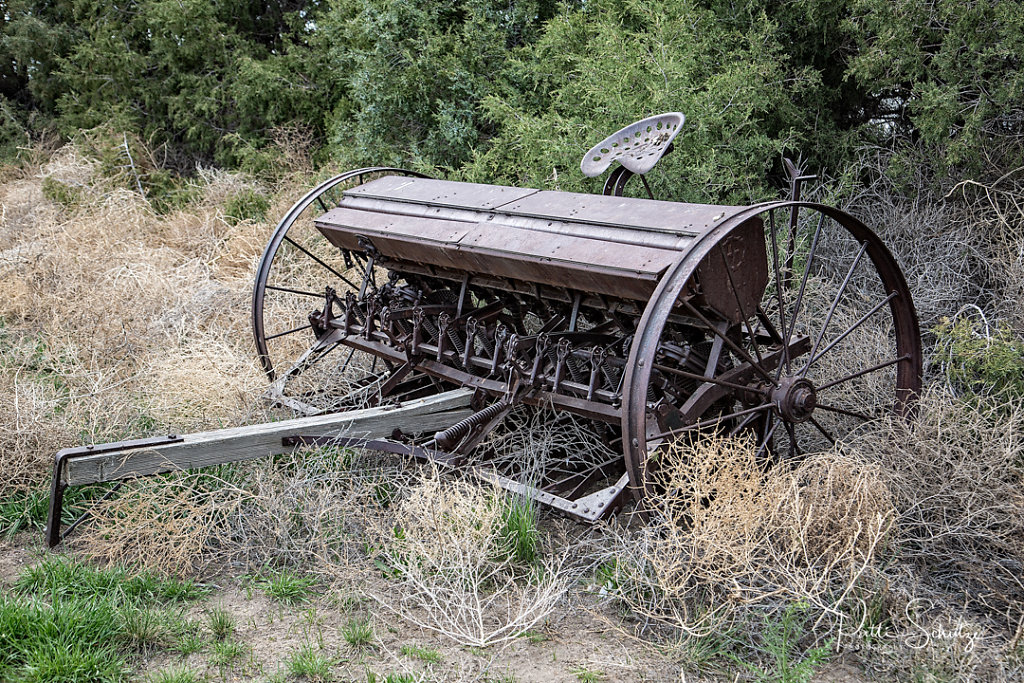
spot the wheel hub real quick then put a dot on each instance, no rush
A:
(795, 399)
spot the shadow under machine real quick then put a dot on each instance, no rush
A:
(556, 343)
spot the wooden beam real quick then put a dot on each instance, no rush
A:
(257, 441)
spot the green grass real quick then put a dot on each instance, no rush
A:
(701, 650)
(176, 675)
(189, 643)
(504, 677)
(781, 642)
(520, 539)
(69, 622)
(60, 578)
(144, 628)
(358, 632)
(422, 653)
(61, 193)
(978, 361)
(177, 590)
(287, 587)
(26, 510)
(22, 511)
(608, 576)
(226, 653)
(311, 663)
(587, 675)
(389, 678)
(80, 641)
(246, 205)
(220, 622)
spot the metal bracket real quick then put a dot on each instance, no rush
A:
(57, 486)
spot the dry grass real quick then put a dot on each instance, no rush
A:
(179, 526)
(957, 478)
(729, 538)
(304, 509)
(120, 321)
(907, 542)
(996, 211)
(445, 544)
(964, 248)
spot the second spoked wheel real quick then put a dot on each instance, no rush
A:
(829, 344)
(309, 371)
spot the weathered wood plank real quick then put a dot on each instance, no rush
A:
(246, 443)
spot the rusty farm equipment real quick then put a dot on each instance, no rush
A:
(434, 319)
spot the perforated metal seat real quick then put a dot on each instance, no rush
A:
(638, 146)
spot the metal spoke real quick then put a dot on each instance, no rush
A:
(861, 373)
(332, 193)
(291, 331)
(774, 334)
(791, 431)
(646, 186)
(318, 260)
(347, 360)
(305, 361)
(294, 291)
(778, 287)
(768, 436)
(323, 353)
(835, 303)
(841, 337)
(739, 305)
(702, 378)
(803, 280)
(747, 420)
(762, 316)
(843, 411)
(708, 423)
(731, 344)
(823, 431)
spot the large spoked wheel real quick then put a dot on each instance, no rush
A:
(310, 370)
(829, 344)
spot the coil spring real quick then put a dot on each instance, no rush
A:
(460, 345)
(430, 327)
(447, 438)
(576, 370)
(448, 296)
(486, 343)
(612, 375)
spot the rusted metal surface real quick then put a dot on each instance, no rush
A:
(659, 320)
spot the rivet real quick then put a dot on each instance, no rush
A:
(636, 443)
(641, 362)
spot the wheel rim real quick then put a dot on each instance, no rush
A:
(312, 373)
(853, 348)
